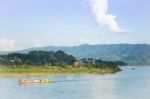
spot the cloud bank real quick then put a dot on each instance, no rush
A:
(36, 43)
(7, 44)
(100, 11)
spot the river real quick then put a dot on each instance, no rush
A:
(127, 84)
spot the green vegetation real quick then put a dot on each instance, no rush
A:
(38, 63)
(53, 70)
(133, 54)
(38, 58)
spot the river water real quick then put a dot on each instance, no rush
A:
(127, 84)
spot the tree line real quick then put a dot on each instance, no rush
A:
(51, 58)
(98, 63)
(58, 58)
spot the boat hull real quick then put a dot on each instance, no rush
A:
(35, 81)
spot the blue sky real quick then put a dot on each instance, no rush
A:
(35, 23)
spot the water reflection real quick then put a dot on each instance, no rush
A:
(128, 84)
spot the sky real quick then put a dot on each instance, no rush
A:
(37, 23)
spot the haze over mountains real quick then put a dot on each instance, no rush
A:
(138, 54)
(130, 53)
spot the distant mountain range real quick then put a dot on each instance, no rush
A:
(138, 54)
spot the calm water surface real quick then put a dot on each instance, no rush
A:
(128, 84)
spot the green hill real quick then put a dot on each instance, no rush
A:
(138, 54)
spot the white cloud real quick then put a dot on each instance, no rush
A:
(7, 44)
(36, 43)
(100, 11)
(84, 41)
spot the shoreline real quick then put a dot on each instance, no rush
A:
(42, 75)
(55, 70)
(12, 75)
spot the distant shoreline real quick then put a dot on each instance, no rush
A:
(36, 71)
(42, 75)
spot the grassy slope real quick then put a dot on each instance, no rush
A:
(51, 70)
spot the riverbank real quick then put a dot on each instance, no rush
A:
(22, 71)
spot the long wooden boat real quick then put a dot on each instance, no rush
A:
(40, 81)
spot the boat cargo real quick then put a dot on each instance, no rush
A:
(39, 81)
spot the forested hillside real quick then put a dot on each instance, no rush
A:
(131, 53)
